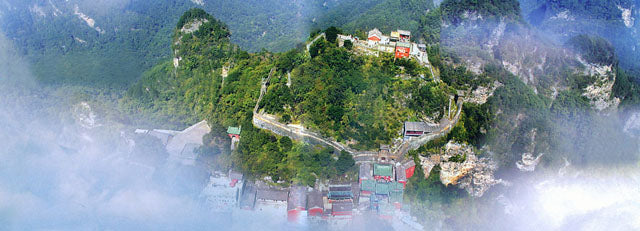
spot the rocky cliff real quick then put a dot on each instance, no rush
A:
(535, 58)
(460, 166)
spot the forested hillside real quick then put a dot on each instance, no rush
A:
(80, 43)
(109, 44)
(593, 9)
(363, 100)
(456, 11)
(523, 93)
(538, 97)
(217, 81)
(545, 111)
(385, 15)
(358, 99)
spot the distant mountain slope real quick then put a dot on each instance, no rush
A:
(386, 15)
(481, 33)
(104, 44)
(615, 20)
(457, 11)
(110, 43)
(541, 84)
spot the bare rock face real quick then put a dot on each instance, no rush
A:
(481, 94)
(599, 92)
(528, 163)
(627, 17)
(193, 26)
(480, 177)
(534, 58)
(473, 174)
(88, 20)
(84, 115)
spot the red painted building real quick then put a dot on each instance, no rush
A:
(409, 171)
(403, 50)
(315, 204)
(405, 36)
(375, 35)
(234, 132)
(296, 203)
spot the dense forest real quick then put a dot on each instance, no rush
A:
(126, 38)
(109, 58)
(197, 89)
(359, 100)
(353, 98)
(594, 49)
(457, 10)
(133, 36)
(388, 15)
(332, 90)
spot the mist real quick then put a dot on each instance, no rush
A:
(59, 170)
(588, 177)
(573, 199)
(85, 185)
(62, 170)
(65, 166)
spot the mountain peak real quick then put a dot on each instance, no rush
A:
(193, 14)
(201, 24)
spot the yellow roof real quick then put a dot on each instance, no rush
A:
(395, 34)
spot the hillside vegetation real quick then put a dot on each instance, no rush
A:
(197, 89)
(456, 11)
(385, 15)
(361, 99)
(358, 100)
(117, 41)
(538, 107)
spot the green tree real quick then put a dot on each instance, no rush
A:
(288, 60)
(594, 49)
(285, 144)
(431, 188)
(348, 44)
(345, 162)
(332, 34)
(317, 48)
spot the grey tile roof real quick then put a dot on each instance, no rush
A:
(419, 126)
(235, 175)
(401, 175)
(248, 198)
(365, 171)
(314, 200)
(274, 195)
(297, 197)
